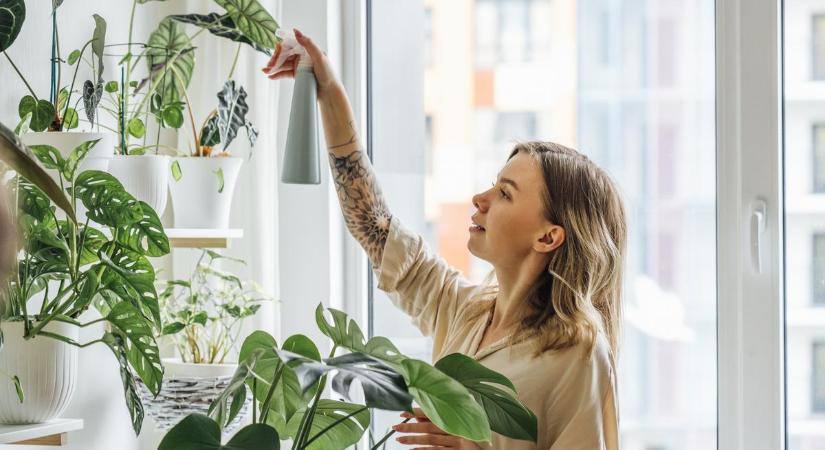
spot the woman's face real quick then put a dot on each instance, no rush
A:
(509, 223)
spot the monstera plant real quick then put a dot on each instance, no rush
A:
(458, 394)
(64, 268)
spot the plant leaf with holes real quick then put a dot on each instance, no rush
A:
(141, 349)
(170, 50)
(220, 25)
(12, 16)
(343, 331)
(106, 200)
(117, 345)
(132, 278)
(146, 235)
(253, 21)
(75, 157)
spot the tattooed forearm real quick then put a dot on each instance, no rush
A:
(352, 139)
(364, 207)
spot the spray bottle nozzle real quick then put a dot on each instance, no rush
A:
(288, 48)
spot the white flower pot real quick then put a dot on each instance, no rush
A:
(189, 388)
(66, 141)
(47, 369)
(197, 199)
(146, 177)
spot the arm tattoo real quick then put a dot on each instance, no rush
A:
(364, 207)
(352, 138)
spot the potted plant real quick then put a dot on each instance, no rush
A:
(458, 394)
(203, 179)
(54, 120)
(202, 317)
(63, 269)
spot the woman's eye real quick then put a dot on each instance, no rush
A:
(504, 194)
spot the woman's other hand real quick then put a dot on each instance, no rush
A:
(283, 64)
(426, 435)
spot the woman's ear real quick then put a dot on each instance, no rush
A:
(552, 238)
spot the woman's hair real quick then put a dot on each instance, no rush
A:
(580, 292)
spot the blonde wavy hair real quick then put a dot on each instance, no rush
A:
(579, 295)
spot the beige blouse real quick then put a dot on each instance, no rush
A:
(573, 396)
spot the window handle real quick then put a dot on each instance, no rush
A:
(758, 223)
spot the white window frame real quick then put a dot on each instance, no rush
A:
(749, 113)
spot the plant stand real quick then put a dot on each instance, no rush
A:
(53, 433)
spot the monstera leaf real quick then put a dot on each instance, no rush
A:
(507, 416)
(232, 109)
(141, 349)
(220, 25)
(20, 159)
(341, 423)
(170, 57)
(146, 235)
(130, 276)
(133, 403)
(199, 432)
(108, 203)
(12, 15)
(253, 20)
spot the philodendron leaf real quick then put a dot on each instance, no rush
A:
(133, 403)
(492, 390)
(91, 98)
(99, 42)
(42, 112)
(108, 203)
(446, 402)
(220, 25)
(20, 159)
(75, 157)
(146, 235)
(232, 109)
(141, 349)
(343, 331)
(169, 49)
(132, 278)
(350, 422)
(253, 21)
(12, 15)
(199, 432)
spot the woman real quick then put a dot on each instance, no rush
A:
(553, 228)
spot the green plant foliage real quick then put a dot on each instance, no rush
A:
(42, 112)
(220, 25)
(253, 21)
(12, 16)
(199, 432)
(170, 50)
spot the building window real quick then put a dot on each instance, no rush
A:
(515, 126)
(428, 37)
(502, 31)
(818, 378)
(818, 47)
(819, 157)
(818, 269)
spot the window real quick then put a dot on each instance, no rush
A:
(818, 272)
(587, 92)
(818, 47)
(819, 157)
(428, 36)
(818, 378)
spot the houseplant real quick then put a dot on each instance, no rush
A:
(51, 121)
(64, 268)
(458, 394)
(203, 179)
(202, 316)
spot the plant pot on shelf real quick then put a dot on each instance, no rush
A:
(189, 388)
(65, 141)
(146, 177)
(201, 198)
(47, 369)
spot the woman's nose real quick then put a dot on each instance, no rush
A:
(480, 202)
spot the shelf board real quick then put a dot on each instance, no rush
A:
(52, 432)
(202, 237)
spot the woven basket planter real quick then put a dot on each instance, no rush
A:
(189, 388)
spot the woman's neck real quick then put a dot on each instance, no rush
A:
(514, 282)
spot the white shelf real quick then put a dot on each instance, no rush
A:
(52, 432)
(202, 237)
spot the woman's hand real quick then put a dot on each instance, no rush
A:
(428, 435)
(278, 67)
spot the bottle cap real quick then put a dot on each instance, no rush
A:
(290, 47)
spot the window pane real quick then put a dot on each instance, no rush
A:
(630, 83)
(804, 72)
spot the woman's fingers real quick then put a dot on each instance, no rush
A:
(320, 63)
(429, 439)
(417, 413)
(419, 427)
(287, 69)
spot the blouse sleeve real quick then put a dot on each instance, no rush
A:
(420, 282)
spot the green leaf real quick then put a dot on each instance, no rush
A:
(111, 86)
(169, 49)
(24, 125)
(210, 135)
(62, 99)
(199, 432)
(42, 112)
(18, 389)
(343, 331)
(76, 157)
(172, 328)
(136, 127)
(49, 156)
(141, 349)
(172, 116)
(99, 42)
(507, 416)
(220, 25)
(145, 236)
(219, 174)
(74, 56)
(346, 433)
(131, 277)
(232, 110)
(12, 16)
(446, 402)
(133, 403)
(92, 93)
(253, 20)
(71, 120)
(225, 408)
(106, 200)
(177, 174)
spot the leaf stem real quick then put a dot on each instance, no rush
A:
(14, 66)
(234, 62)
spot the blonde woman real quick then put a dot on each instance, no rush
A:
(553, 228)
